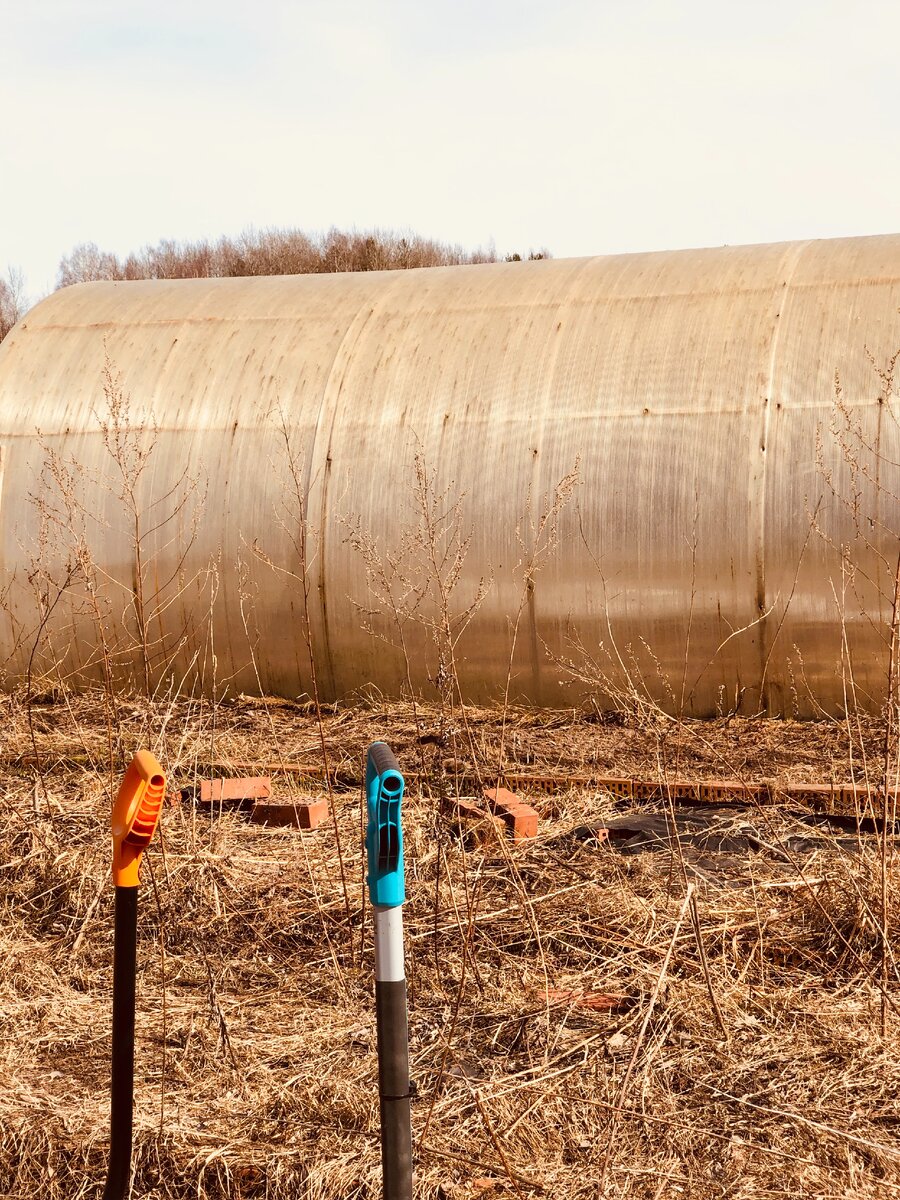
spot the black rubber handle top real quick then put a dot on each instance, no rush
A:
(381, 756)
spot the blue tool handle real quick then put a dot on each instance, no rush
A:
(384, 831)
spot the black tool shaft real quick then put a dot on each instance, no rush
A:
(393, 1088)
(122, 1091)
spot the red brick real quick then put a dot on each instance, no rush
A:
(847, 799)
(524, 823)
(540, 783)
(621, 788)
(472, 818)
(301, 815)
(859, 796)
(518, 816)
(646, 789)
(467, 810)
(692, 791)
(231, 791)
(727, 789)
(804, 790)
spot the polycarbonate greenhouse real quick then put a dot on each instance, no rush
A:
(731, 538)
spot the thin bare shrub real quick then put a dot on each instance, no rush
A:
(863, 534)
(160, 525)
(537, 537)
(291, 514)
(418, 597)
(84, 621)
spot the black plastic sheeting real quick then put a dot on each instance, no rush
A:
(720, 839)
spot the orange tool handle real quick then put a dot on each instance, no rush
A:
(135, 816)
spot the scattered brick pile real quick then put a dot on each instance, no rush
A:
(254, 796)
(500, 810)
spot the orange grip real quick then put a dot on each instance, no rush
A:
(135, 816)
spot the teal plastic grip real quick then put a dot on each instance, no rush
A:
(384, 831)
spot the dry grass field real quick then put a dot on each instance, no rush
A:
(583, 1022)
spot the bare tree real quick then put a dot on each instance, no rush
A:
(88, 263)
(13, 300)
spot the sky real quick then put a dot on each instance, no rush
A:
(586, 126)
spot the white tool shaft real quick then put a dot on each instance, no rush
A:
(389, 966)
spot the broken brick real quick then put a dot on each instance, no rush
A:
(235, 791)
(472, 819)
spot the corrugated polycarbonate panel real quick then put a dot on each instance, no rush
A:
(721, 546)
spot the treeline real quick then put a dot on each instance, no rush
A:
(272, 252)
(255, 252)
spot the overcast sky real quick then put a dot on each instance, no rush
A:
(588, 126)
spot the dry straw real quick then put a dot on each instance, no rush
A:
(744, 1058)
